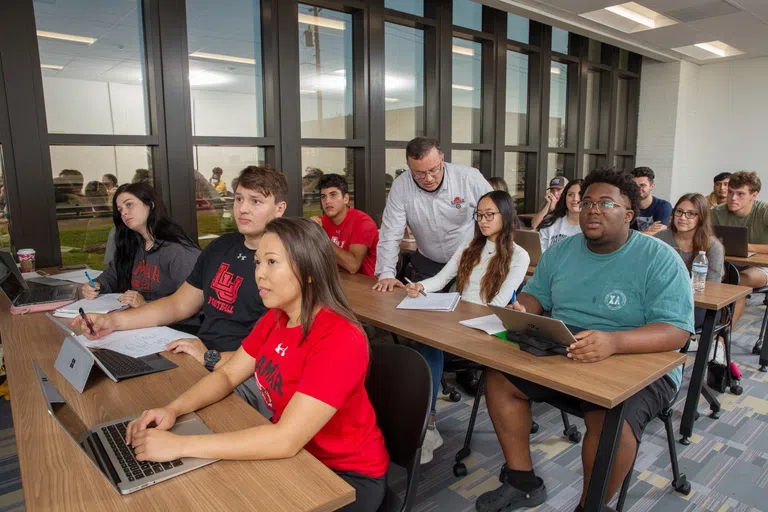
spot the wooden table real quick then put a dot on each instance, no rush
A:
(608, 383)
(56, 475)
(715, 297)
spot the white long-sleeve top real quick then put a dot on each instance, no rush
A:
(440, 220)
(557, 232)
(517, 269)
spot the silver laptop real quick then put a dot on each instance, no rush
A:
(21, 293)
(105, 445)
(735, 240)
(75, 361)
(534, 325)
(531, 242)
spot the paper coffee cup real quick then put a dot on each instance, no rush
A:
(26, 259)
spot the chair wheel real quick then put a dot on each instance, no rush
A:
(757, 348)
(736, 389)
(714, 415)
(459, 470)
(763, 369)
(575, 437)
(455, 396)
(534, 427)
(682, 485)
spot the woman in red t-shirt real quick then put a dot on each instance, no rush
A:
(310, 358)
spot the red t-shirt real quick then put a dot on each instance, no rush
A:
(331, 366)
(357, 228)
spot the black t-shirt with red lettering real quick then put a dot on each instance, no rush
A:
(232, 305)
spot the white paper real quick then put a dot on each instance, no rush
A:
(137, 342)
(77, 276)
(102, 304)
(30, 275)
(432, 302)
(490, 324)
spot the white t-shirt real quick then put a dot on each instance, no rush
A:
(557, 232)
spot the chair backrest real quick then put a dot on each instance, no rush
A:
(399, 386)
(731, 275)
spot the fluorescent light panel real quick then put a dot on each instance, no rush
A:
(629, 17)
(462, 50)
(463, 87)
(391, 100)
(51, 66)
(66, 37)
(226, 58)
(632, 15)
(711, 48)
(308, 91)
(556, 70)
(321, 22)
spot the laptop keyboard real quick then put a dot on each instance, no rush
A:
(119, 364)
(133, 468)
(37, 295)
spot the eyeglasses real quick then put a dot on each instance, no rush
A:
(685, 213)
(488, 216)
(602, 206)
(420, 175)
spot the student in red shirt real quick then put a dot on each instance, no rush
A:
(310, 358)
(353, 232)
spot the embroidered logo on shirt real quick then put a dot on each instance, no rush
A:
(226, 286)
(457, 202)
(280, 349)
(241, 256)
(615, 300)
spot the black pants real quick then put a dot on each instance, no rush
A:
(369, 491)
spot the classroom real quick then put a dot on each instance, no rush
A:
(383, 255)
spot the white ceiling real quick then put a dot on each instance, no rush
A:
(742, 24)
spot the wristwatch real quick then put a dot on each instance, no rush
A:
(211, 358)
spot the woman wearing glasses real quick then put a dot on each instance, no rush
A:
(488, 268)
(564, 219)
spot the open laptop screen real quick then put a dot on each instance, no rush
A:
(64, 414)
(9, 282)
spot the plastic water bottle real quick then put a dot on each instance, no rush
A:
(699, 272)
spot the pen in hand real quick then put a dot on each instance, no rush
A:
(86, 320)
(90, 281)
(414, 284)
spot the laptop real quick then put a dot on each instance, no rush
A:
(735, 240)
(75, 361)
(30, 297)
(535, 326)
(105, 445)
(530, 241)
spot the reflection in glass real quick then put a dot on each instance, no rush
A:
(624, 163)
(591, 163)
(622, 112)
(558, 98)
(559, 40)
(555, 165)
(623, 59)
(225, 67)
(595, 51)
(514, 175)
(468, 14)
(5, 233)
(319, 161)
(466, 157)
(415, 7)
(404, 82)
(325, 72)
(516, 121)
(518, 28)
(83, 202)
(93, 66)
(214, 192)
(467, 89)
(395, 165)
(592, 128)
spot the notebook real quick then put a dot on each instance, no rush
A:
(432, 302)
(102, 304)
(490, 324)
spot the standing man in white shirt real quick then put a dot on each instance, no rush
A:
(437, 200)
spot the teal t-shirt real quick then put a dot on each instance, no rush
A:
(644, 282)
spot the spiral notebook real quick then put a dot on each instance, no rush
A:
(432, 302)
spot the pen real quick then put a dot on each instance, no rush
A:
(90, 281)
(514, 297)
(87, 322)
(414, 284)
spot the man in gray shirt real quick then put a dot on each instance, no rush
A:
(438, 201)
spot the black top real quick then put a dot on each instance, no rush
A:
(232, 306)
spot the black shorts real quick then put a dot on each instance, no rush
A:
(369, 491)
(639, 410)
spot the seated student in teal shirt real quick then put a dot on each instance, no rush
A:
(632, 294)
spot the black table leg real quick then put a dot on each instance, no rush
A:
(697, 379)
(764, 352)
(606, 451)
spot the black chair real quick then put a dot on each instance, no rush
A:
(399, 386)
(760, 339)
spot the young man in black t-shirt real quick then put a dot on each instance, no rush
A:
(222, 285)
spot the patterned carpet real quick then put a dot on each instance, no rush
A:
(727, 463)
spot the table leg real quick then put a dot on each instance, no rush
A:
(764, 353)
(606, 451)
(697, 379)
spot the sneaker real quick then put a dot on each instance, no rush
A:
(432, 441)
(507, 498)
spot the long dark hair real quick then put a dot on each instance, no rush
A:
(160, 227)
(314, 265)
(498, 267)
(561, 208)
(704, 229)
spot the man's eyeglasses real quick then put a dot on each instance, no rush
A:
(420, 175)
(488, 216)
(685, 213)
(602, 206)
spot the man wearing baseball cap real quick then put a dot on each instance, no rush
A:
(556, 186)
(719, 193)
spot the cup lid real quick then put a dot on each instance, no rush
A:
(25, 251)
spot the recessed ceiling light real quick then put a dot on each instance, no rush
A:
(66, 37)
(391, 100)
(463, 87)
(629, 17)
(632, 15)
(711, 48)
(319, 21)
(462, 50)
(51, 66)
(226, 58)
(556, 70)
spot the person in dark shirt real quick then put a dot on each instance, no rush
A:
(655, 213)
(222, 284)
